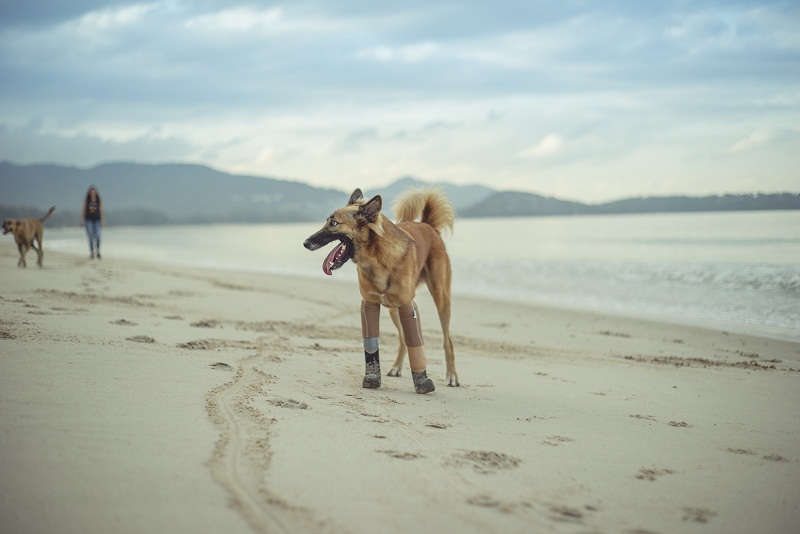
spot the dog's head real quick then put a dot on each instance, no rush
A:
(8, 226)
(349, 225)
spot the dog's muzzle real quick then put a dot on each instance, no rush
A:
(311, 245)
(341, 253)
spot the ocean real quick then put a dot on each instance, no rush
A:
(734, 271)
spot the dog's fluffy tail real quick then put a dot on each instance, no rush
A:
(429, 205)
(49, 213)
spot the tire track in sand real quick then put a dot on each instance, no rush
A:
(242, 455)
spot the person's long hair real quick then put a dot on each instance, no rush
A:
(96, 192)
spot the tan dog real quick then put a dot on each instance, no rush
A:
(26, 231)
(392, 260)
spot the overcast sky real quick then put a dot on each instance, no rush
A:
(582, 100)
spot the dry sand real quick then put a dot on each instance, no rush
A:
(141, 398)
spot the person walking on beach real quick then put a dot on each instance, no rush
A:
(92, 218)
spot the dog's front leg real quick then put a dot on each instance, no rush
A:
(370, 330)
(22, 251)
(397, 366)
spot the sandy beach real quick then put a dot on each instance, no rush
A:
(143, 398)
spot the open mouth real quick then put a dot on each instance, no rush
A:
(337, 257)
(6, 230)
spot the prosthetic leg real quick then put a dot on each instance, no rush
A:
(412, 334)
(370, 329)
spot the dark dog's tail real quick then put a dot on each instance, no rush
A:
(429, 205)
(49, 213)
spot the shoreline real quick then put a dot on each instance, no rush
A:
(764, 311)
(144, 397)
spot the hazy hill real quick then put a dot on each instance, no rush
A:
(516, 204)
(137, 194)
(461, 196)
(760, 201)
(168, 193)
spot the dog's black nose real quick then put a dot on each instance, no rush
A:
(307, 244)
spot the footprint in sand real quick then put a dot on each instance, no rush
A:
(205, 324)
(749, 452)
(679, 424)
(486, 500)
(555, 441)
(567, 514)
(652, 473)
(141, 339)
(438, 425)
(614, 334)
(698, 515)
(486, 462)
(403, 455)
(288, 403)
(774, 457)
(123, 322)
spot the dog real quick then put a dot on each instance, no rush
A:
(392, 261)
(26, 232)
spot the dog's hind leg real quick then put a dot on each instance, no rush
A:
(39, 251)
(438, 283)
(412, 335)
(397, 366)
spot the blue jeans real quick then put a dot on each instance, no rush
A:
(93, 231)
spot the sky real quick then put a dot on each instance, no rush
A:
(577, 99)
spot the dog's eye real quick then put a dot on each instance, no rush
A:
(334, 223)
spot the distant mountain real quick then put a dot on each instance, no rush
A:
(461, 196)
(760, 201)
(140, 194)
(175, 193)
(517, 204)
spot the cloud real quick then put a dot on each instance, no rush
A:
(115, 18)
(26, 144)
(354, 141)
(327, 90)
(411, 53)
(548, 146)
(756, 139)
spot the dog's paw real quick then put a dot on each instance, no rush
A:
(452, 381)
(393, 372)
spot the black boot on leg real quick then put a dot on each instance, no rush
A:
(372, 374)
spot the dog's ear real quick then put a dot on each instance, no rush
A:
(371, 208)
(356, 196)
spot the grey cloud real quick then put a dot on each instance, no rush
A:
(29, 146)
(355, 140)
(608, 77)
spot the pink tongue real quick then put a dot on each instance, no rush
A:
(328, 263)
